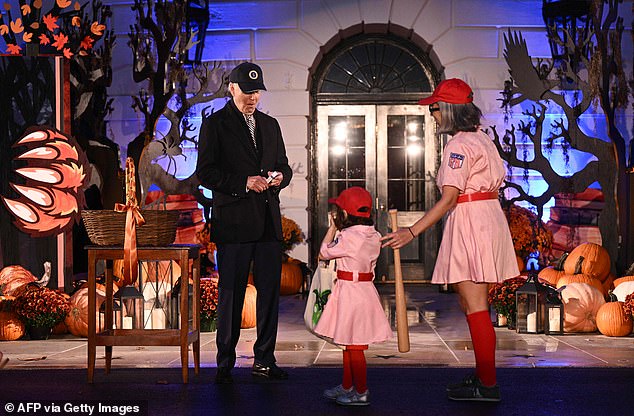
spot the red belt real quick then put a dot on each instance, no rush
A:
(363, 277)
(477, 196)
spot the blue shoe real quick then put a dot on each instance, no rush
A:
(353, 398)
(335, 392)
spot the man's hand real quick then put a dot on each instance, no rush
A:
(277, 180)
(257, 184)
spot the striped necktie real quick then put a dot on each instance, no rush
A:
(251, 124)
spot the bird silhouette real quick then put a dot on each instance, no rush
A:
(527, 78)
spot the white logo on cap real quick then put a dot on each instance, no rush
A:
(253, 74)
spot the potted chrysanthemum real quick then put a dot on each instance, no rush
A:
(41, 308)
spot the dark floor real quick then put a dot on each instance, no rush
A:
(394, 391)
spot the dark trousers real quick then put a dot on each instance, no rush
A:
(234, 260)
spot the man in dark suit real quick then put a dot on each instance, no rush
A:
(242, 159)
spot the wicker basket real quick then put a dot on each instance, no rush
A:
(107, 228)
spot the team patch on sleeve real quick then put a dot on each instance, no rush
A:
(455, 160)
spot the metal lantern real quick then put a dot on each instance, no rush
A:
(175, 304)
(116, 313)
(131, 301)
(568, 22)
(530, 303)
(554, 324)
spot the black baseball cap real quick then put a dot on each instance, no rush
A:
(248, 76)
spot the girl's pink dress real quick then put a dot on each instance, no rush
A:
(476, 243)
(353, 314)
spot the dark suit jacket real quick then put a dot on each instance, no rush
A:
(226, 157)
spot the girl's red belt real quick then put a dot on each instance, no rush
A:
(363, 277)
(477, 196)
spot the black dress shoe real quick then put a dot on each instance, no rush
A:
(271, 371)
(223, 376)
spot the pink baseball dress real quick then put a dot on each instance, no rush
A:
(353, 314)
(476, 243)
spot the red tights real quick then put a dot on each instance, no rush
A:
(483, 338)
(354, 368)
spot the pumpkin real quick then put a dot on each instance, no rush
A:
(13, 278)
(579, 277)
(552, 274)
(622, 290)
(292, 277)
(628, 276)
(581, 304)
(622, 280)
(612, 320)
(60, 329)
(11, 326)
(608, 285)
(595, 261)
(248, 308)
(77, 318)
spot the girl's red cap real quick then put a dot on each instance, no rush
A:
(355, 201)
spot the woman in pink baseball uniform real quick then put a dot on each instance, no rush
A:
(353, 316)
(476, 248)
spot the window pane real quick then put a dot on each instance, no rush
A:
(396, 163)
(356, 163)
(396, 195)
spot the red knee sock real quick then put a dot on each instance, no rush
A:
(347, 370)
(483, 338)
(359, 369)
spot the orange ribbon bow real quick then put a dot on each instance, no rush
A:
(133, 219)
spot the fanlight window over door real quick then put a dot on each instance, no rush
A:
(374, 67)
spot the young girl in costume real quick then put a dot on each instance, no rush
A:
(353, 316)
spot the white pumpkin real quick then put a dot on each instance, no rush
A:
(581, 304)
(622, 290)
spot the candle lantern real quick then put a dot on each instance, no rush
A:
(554, 313)
(530, 305)
(116, 312)
(175, 304)
(131, 301)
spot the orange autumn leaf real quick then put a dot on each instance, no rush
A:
(83, 53)
(50, 22)
(63, 3)
(76, 21)
(67, 53)
(60, 41)
(44, 40)
(77, 6)
(4, 29)
(37, 4)
(16, 27)
(26, 9)
(87, 42)
(97, 28)
(35, 25)
(13, 49)
(27, 37)
(7, 6)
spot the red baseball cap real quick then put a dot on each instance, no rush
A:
(355, 201)
(452, 91)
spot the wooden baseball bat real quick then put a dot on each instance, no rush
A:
(402, 330)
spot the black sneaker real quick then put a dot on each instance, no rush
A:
(466, 382)
(475, 392)
(271, 371)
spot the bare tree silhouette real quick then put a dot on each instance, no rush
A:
(603, 82)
